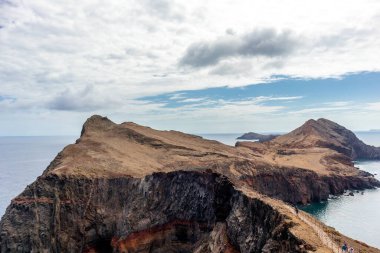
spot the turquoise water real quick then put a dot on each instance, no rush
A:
(356, 216)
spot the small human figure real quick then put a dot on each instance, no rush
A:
(344, 247)
(351, 250)
(295, 207)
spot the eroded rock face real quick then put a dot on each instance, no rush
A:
(129, 188)
(299, 186)
(164, 212)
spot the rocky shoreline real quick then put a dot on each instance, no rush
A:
(129, 188)
(299, 186)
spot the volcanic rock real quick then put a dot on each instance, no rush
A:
(129, 188)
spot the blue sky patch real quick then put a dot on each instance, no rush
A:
(295, 93)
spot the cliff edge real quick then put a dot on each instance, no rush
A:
(130, 188)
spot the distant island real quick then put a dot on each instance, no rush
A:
(258, 137)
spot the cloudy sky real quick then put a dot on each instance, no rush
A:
(198, 66)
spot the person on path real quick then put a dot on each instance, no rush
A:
(344, 247)
(351, 250)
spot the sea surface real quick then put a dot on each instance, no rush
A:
(229, 139)
(356, 216)
(23, 159)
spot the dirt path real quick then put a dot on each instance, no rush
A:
(318, 229)
(309, 222)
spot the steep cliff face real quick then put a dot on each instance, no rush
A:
(164, 212)
(300, 186)
(311, 162)
(129, 188)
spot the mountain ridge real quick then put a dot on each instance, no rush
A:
(331, 135)
(130, 188)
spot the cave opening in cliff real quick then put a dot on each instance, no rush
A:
(102, 246)
(223, 194)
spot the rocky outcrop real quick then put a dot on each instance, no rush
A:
(327, 134)
(258, 137)
(129, 188)
(310, 163)
(300, 186)
(164, 212)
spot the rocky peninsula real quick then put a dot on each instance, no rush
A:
(130, 188)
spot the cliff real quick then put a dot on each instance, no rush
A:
(163, 212)
(311, 162)
(129, 188)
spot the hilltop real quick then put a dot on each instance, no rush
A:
(328, 134)
(130, 188)
(320, 145)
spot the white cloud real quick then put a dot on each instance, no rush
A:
(338, 103)
(203, 108)
(327, 107)
(319, 110)
(53, 51)
(136, 45)
(177, 96)
(192, 100)
(87, 99)
(373, 106)
(264, 98)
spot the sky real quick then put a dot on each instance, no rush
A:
(201, 66)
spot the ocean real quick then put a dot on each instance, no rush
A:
(23, 159)
(356, 216)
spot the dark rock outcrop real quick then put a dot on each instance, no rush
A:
(300, 186)
(164, 212)
(129, 188)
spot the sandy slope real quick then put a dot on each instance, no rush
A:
(107, 149)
